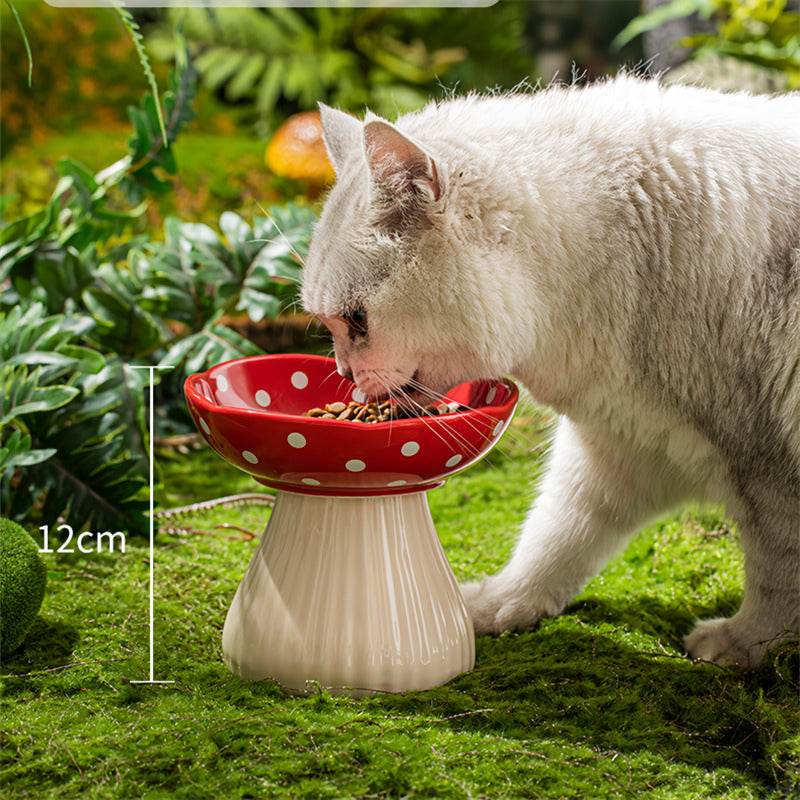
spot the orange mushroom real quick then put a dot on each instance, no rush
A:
(297, 150)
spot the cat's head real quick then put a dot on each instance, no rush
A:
(398, 265)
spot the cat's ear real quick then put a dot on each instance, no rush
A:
(341, 133)
(398, 163)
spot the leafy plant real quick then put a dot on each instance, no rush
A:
(72, 434)
(49, 254)
(390, 59)
(83, 300)
(197, 277)
(764, 32)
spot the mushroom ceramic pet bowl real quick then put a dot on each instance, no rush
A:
(349, 587)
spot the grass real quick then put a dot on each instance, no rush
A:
(598, 703)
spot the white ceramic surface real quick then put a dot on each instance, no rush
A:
(354, 594)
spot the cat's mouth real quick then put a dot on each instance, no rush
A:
(417, 393)
(408, 395)
(412, 387)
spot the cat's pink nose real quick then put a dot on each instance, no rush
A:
(345, 372)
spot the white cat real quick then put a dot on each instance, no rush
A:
(631, 254)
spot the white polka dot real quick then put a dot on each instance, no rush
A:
(355, 465)
(248, 456)
(263, 398)
(498, 428)
(397, 483)
(310, 481)
(358, 395)
(453, 460)
(204, 426)
(296, 440)
(299, 380)
(410, 449)
(222, 383)
(490, 395)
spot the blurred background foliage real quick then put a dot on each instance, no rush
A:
(92, 87)
(257, 67)
(756, 41)
(286, 59)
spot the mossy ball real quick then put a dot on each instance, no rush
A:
(23, 576)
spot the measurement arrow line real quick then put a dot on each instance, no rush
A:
(151, 436)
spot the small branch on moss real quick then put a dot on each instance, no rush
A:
(466, 714)
(232, 501)
(253, 498)
(59, 668)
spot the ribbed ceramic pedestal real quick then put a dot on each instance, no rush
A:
(352, 593)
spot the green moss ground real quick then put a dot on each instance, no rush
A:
(598, 703)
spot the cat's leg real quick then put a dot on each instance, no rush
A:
(593, 496)
(770, 609)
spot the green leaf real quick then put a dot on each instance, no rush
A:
(245, 81)
(219, 65)
(293, 22)
(50, 358)
(47, 399)
(24, 40)
(269, 88)
(136, 35)
(16, 452)
(87, 360)
(660, 15)
(240, 239)
(259, 305)
(212, 345)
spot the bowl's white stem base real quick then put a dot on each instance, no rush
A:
(354, 594)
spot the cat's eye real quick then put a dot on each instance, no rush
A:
(356, 321)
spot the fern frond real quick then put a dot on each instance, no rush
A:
(135, 32)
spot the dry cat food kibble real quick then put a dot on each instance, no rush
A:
(379, 412)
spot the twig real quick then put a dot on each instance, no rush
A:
(63, 666)
(250, 498)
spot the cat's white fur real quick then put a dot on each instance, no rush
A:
(630, 254)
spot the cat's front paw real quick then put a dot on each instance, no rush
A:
(727, 642)
(496, 607)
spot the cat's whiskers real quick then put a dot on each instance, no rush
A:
(396, 389)
(440, 427)
(476, 427)
(281, 234)
(443, 398)
(341, 384)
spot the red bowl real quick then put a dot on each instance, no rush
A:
(250, 411)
